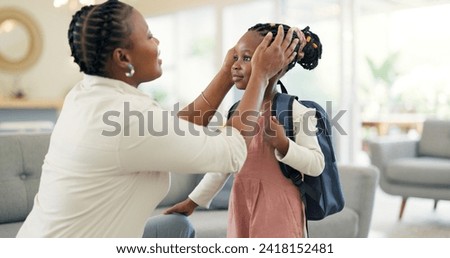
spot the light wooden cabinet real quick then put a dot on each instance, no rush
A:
(22, 115)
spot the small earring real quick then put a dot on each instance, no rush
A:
(131, 72)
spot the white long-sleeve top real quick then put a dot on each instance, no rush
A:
(304, 155)
(107, 165)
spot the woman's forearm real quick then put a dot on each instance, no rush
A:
(246, 114)
(205, 105)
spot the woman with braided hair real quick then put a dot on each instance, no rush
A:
(263, 202)
(104, 174)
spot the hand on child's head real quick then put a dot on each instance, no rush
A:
(229, 59)
(302, 41)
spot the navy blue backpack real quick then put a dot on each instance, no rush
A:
(322, 195)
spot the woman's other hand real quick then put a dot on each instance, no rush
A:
(302, 41)
(228, 61)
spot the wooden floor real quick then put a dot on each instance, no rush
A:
(419, 218)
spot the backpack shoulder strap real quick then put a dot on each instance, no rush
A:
(282, 110)
(232, 109)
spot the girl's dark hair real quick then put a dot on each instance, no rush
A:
(95, 31)
(312, 49)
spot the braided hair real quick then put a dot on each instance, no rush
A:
(312, 49)
(95, 31)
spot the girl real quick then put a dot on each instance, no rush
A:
(263, 202)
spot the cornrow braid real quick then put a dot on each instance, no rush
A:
(312, 49)
(95, 31)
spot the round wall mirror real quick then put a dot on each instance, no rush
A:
(20, 42)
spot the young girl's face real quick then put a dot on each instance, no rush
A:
(242, 67)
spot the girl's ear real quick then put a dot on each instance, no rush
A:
(120, 57)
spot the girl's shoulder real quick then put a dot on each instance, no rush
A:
(300, 110)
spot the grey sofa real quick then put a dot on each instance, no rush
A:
(415, 168)
(21, 158)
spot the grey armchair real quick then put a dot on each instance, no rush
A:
(415, 168)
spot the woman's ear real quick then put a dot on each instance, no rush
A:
(120, 57)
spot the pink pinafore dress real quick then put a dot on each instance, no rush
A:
(263, 202)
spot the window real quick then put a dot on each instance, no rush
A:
(379, 57)
(402, 57)
(187, 41)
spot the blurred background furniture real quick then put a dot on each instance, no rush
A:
(415, 168)
(21, 159)
(23, 127)
(22, 156)
(358, 184)
(28, 116)
(402, 122)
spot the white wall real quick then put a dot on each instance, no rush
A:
(160, 7)
(54, 73)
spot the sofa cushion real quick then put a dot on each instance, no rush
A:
(207, 223)
(9, 230)
(34, 148)
(210, 223)
(435, 140)
(181, 185)
(342, 224)
(21, 159)
(422, 170)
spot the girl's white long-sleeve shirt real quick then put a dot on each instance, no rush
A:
(304, 155)
(107, 165)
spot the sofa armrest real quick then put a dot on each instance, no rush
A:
(359, 184)
(381, 152)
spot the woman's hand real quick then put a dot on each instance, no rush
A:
(275, 135)
(185, 207)
(302, 41)
(228, 61)
(201, 110)
(270, 58)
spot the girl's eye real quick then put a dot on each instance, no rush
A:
(247, 58)
(235, 58)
